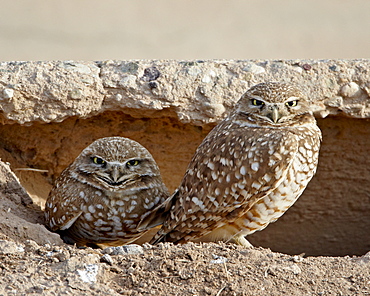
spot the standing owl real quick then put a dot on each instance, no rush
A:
(100, 198)
(247, 172)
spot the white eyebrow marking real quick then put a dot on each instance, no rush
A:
(292, 99)
(257, 97)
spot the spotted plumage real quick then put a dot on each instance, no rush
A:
(247, 172)
(100, 198)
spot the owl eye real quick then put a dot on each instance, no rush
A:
(98, 160)
(133, 162)
(292, 103)
(256, 102)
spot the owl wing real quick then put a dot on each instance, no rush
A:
(62, 207)
(231, 170)
(158, 215)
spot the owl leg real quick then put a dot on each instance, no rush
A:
(242, 241)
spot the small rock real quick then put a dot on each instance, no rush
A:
(9, 247)
(107, 259)
(275, 269)
(118, 97)
(75, 94)
(297, 259)
(128, 81)
(88, 275)
(306, 67)
(214, 109)
(8, 93)
(193, 71)
(334, 102)
(130, 67)
(333, 68)
(297, 69)
(80, 68)
(293, 268)
(365, 259)
(62, 255)
(206, 79)
(153, 84)
(253, 68)
(31, 246)
(150, 74)
(323, 113)
(350, 90)
(124, 250)
(218, 259)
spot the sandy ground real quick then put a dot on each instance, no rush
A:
(191, 269)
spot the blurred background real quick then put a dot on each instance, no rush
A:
(192, 29)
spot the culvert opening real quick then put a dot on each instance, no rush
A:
(331, 218)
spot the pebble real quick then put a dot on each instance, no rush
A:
(128, 81)
(218, 259)
(253, 68)
(80, 68)
(334, 102)
(206, 79)
(193, 71)
(9, 247)
(124, 250)
(214, 109)
(274, 269)
(107, 259)
(350, 89)
(130, 67)
(8, 93)
(31, 245)
(297, 259)
(88, 275)
(365, 259)
(118, 97)
(150, 74)
(75, 93)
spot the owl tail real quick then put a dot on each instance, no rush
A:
(158, 215)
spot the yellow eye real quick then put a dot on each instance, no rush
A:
(133, 162)
(98, 160)
(256, 102)
(292, 103)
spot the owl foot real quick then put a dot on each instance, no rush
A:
(242, 241)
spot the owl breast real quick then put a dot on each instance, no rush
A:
(113, 217)
(274, 205)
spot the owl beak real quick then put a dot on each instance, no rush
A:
(274, 115)
(116, 174)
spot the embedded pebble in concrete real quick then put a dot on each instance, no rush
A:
(8, 93)
(334, 102)
(350, 90)
(253, 68)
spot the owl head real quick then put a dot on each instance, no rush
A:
(115, 163)
(273, 103)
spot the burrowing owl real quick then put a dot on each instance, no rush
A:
(100, 198)
(247, 172)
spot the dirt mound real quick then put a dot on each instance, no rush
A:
(191, 269)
